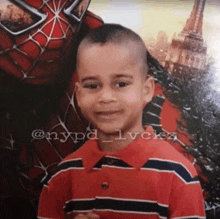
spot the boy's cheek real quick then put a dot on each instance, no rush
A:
(86, 101)
(86, 105)
(83, 97)
(132, 98)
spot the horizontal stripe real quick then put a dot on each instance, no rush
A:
(61, 171)
(71, 164)
(170, 166)
(64, 166)
(190, 217)
(114, 166)
(113, 204)
(47, 218)
(118, 211)
(111, 162)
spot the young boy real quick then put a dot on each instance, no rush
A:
(123, 171)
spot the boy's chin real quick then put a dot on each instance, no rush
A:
(109, 130)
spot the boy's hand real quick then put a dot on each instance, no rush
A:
(90, 215)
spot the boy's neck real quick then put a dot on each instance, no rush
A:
(117, 141)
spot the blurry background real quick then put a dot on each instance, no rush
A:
(152, 17)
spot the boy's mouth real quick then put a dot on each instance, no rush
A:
(109, 114)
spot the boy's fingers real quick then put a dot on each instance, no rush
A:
(91, 215)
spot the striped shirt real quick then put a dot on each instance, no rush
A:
(146, 179)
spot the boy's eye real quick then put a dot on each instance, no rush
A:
(121, 84)
(90, 86)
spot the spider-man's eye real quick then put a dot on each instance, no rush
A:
(77, 9)
(16, 17)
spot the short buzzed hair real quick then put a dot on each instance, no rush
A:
(116, 34)
(112, 33)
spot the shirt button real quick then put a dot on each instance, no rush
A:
(110, 161)
(105, 185)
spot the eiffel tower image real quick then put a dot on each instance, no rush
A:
(187, 53)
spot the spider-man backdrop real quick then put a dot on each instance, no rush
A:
(40, 120)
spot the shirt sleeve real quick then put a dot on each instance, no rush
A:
(186, 199)
(53, 197)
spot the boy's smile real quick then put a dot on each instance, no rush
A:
(107, 114)
(112, 87)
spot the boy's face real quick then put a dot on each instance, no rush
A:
(112, 87)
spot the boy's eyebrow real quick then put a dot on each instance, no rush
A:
(114, 76)
(123, 76)
(88, 78)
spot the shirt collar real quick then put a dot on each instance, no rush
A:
(135, 154)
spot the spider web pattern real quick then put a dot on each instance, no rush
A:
(65, 133)
(26, 53)
(172, 133)
(7, 142)
(55, 34)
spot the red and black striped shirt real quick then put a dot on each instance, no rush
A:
(147, 179)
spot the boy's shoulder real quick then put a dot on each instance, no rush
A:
(163, 151)
(78, 154)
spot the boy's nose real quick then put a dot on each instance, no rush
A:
(107, 95)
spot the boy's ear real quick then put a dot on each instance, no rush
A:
(148, 89)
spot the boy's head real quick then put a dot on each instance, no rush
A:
(118, 35)
(113, 82)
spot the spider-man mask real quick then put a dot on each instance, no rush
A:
(37, 36)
